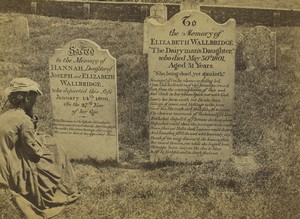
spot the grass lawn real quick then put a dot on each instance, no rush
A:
(267, 124)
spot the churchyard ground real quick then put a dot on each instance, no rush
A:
(267, 125)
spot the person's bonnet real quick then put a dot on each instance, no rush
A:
(20, 85)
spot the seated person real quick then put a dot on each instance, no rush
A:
(32, 166)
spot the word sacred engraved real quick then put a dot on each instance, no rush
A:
(83, 94)
(80, 48)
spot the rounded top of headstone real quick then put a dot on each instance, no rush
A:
(202, 18)
(81, 47)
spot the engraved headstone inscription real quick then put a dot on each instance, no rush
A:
(191, 64)
(83, 95)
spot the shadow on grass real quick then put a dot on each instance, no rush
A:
(146, 165)
(166, 163)
(96, 163)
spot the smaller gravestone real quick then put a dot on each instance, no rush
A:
(189, 5)
(33, 7)
(276, 19)
(83, 95)
(86, 11)
(159, 12)
(21, 28)
(7, 34)
(260, 48)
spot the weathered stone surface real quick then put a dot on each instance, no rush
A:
(159, 12)
(83, 96)
(33, 7)
(86, 11)
(21, 28)
(190, 5)
(191, 61)
(260, 48)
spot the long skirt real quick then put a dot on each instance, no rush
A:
(51, 182)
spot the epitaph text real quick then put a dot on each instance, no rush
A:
(191, 81)
(83, 94)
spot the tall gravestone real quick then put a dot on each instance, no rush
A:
(191, 63)
(83, 96)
